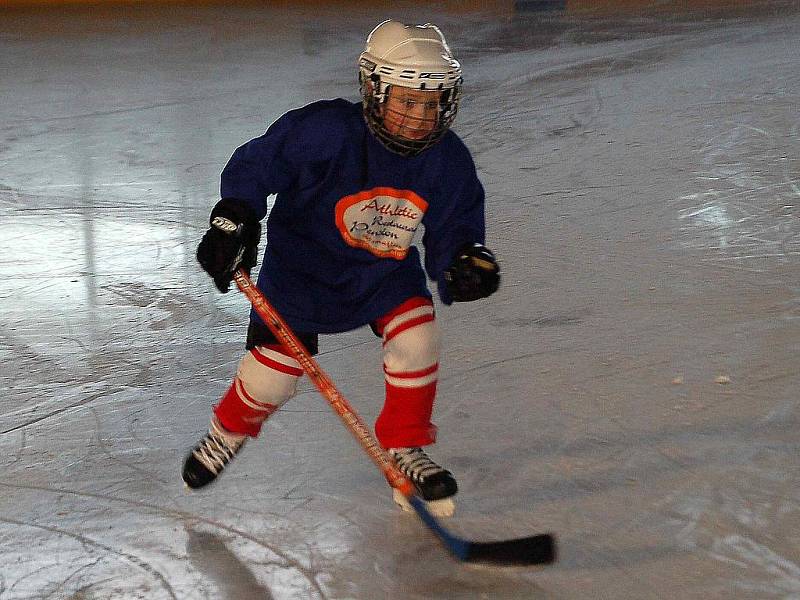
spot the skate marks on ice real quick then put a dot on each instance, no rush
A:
(533, 95)
(109, 546)
(747, 529)
(748, 214)
(742, 206)
(627, 472)
(78, 565)
(44, 386)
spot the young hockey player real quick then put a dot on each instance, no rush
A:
(354, 182)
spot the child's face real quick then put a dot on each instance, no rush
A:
(411, 114)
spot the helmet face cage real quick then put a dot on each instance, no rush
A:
(375, 95)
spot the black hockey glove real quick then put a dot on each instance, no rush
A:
(473, 275)
(231, 242)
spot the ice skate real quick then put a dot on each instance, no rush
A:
(435, 485)
(207, 460)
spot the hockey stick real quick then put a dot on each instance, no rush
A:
(533, 550)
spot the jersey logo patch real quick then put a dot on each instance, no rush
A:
(382, 220)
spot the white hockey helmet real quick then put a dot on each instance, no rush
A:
(409, 56)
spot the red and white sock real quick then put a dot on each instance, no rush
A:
(411, 366)
(265, 380)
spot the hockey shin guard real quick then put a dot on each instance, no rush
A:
(411, 355)
(265, 380)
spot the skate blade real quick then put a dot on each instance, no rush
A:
(438, 508)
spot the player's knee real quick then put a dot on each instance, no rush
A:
(268, 376)
(413, 349)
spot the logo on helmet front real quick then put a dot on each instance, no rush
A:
(367, 64)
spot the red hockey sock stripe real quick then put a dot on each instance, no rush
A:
(274, 364)
(250, 401)
(413, 374)
(407, 325)
(407, 306)
(238, 413)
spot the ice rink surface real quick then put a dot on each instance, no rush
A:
(632, 387)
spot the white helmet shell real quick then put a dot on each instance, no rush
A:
(414, 56)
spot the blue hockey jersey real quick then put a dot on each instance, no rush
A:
(339, 250)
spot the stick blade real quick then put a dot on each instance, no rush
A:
(534, 550)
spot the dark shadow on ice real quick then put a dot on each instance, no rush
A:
(213, 558)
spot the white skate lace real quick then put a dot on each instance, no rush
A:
(217, 449)
(414, 463)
